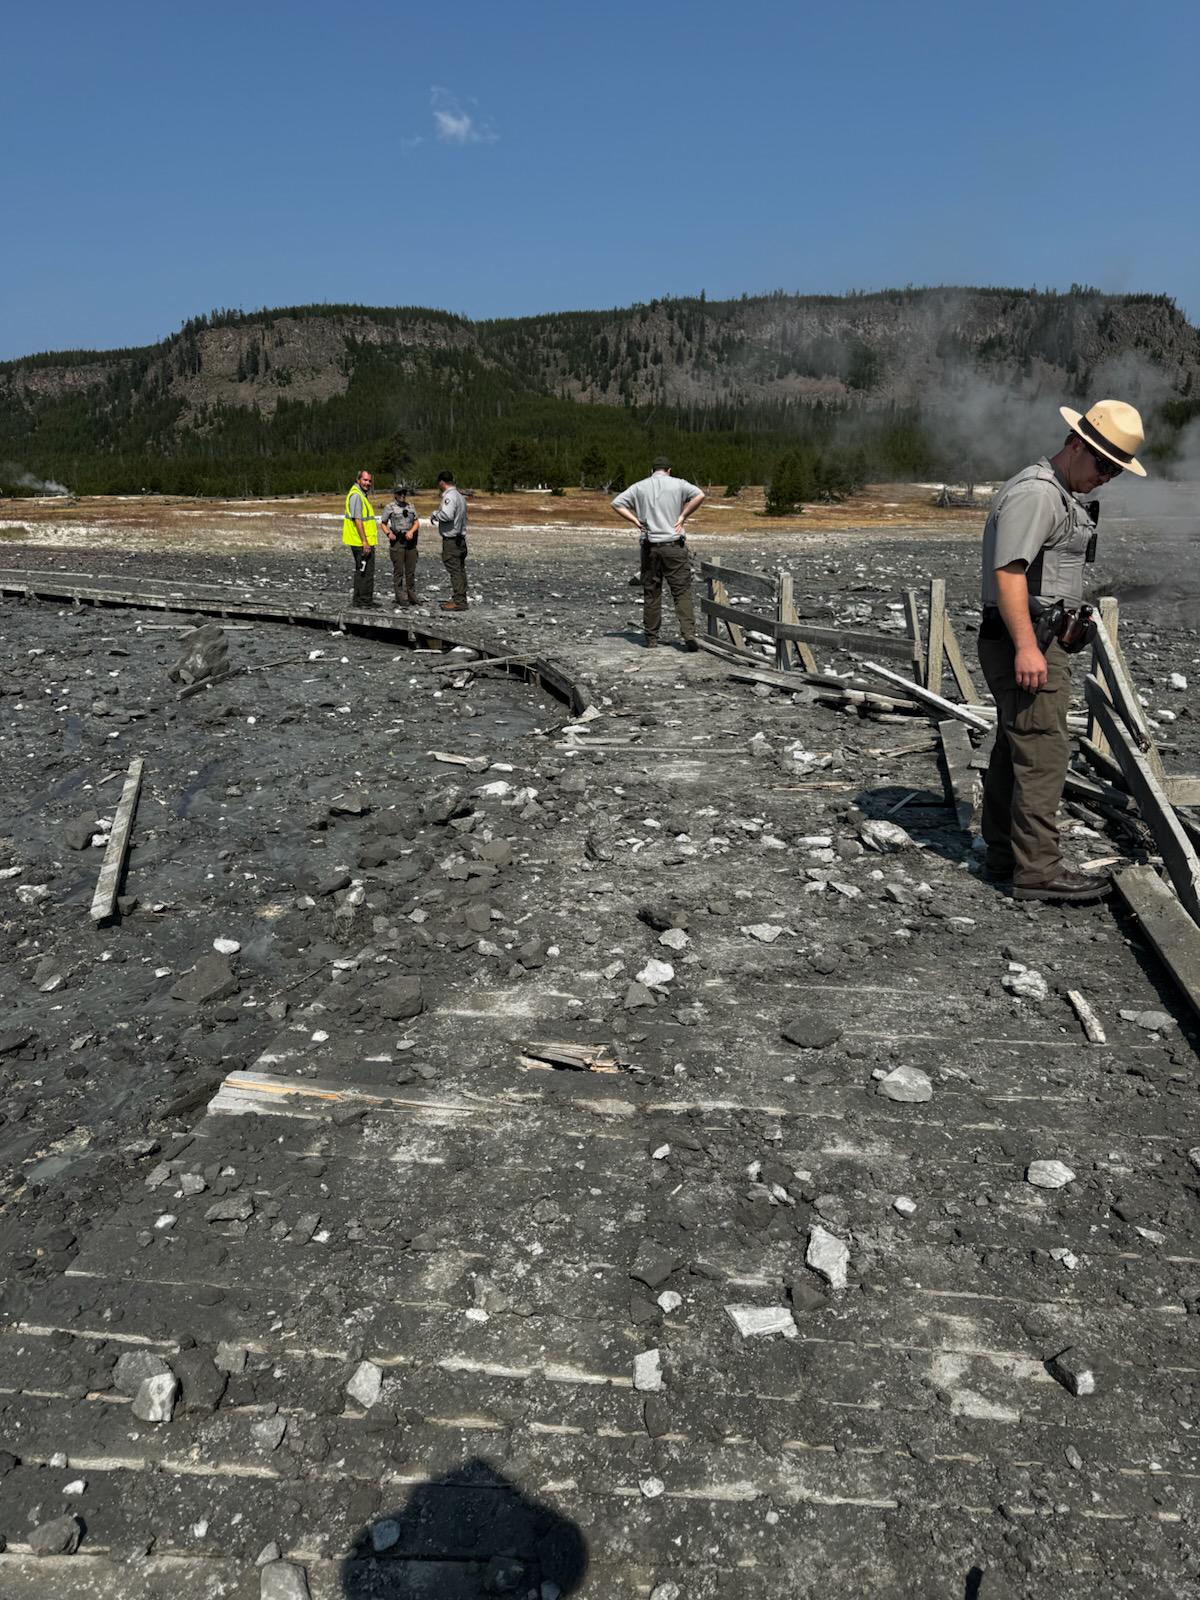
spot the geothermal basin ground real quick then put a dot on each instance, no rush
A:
(325, 1272)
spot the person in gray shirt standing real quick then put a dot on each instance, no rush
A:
(1040, 534)
(400, 522)
(658, 507)
(450, 519)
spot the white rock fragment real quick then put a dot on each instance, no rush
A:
(1065, 1258)
(651, 1488)
(1049, 1174)
(647, 1371)
(656, 974)
(905, 1206)
(284, 1580)
(1027, 985)
(1194, 1156)
(366, 1385)
(764, 932)
(879, 834)
(664, 1150)
(226, 947)
(156, 1397)
(674, 939)
(1152, 1021)
(670, 1300)
(751, 1321)
(908, 1085)
(828, 1255)
(75, 1487)
(1177, 680)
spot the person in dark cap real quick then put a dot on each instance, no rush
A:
(1040, 534)
(658, 507)
(399, 521)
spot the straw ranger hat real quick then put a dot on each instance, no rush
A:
(1112, 428)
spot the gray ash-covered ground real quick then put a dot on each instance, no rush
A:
(499, 1244)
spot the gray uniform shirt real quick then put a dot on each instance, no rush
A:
(656, 502)
(450, 518)
(1035, 519)
(401, 519)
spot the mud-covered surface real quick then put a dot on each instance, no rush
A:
(394, 1191)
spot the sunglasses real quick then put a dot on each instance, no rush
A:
(1105, 467)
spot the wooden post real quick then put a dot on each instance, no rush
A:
(913, 619)
(711, 626)
(1110, 616)
(937, 634)
(104, 901)
(784, 610)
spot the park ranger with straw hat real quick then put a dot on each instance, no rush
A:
(1040, 534)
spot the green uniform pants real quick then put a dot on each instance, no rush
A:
(672, 564)
(364, 574)
(1025, 775)
(454, 559)
(404, 571)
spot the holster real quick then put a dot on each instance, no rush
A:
(1073, 627)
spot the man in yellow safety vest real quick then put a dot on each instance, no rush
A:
(359, 533)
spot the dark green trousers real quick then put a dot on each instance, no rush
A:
(404, 571)
(1028, 768)
(454, 559)
(669, 564)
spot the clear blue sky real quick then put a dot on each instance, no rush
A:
(498, 157)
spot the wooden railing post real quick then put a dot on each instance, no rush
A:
(1110, 616)
(937, 634)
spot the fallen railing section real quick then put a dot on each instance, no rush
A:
(537, 671)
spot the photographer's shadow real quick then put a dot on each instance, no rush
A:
(468, 1534)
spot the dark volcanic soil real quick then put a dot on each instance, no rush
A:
(393, 1190)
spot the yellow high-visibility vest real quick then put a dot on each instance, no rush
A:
(349, 527)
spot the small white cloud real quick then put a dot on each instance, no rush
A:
(411, 144)
(454, 124)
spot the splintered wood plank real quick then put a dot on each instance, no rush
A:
(937, 634)
(1167, 925)
(960, 784)
(1113, 677)
(104, 901)
(958, 665)
(935, 702)
(755, 582)
(1176, 848)
(912, 620)
(1110, 617)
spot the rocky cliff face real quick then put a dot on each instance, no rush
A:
(883, 349)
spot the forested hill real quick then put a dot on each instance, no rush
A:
(914, 382)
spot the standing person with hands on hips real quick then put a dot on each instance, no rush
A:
(1039, 536)
(658, 507)
(359, 533)
(450, 519)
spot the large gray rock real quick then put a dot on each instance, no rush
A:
(908, 1085)
(58, 1538)
(403, 998)
(211, 979)
(134, 1367)
(77, 834)
(810, 1030)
